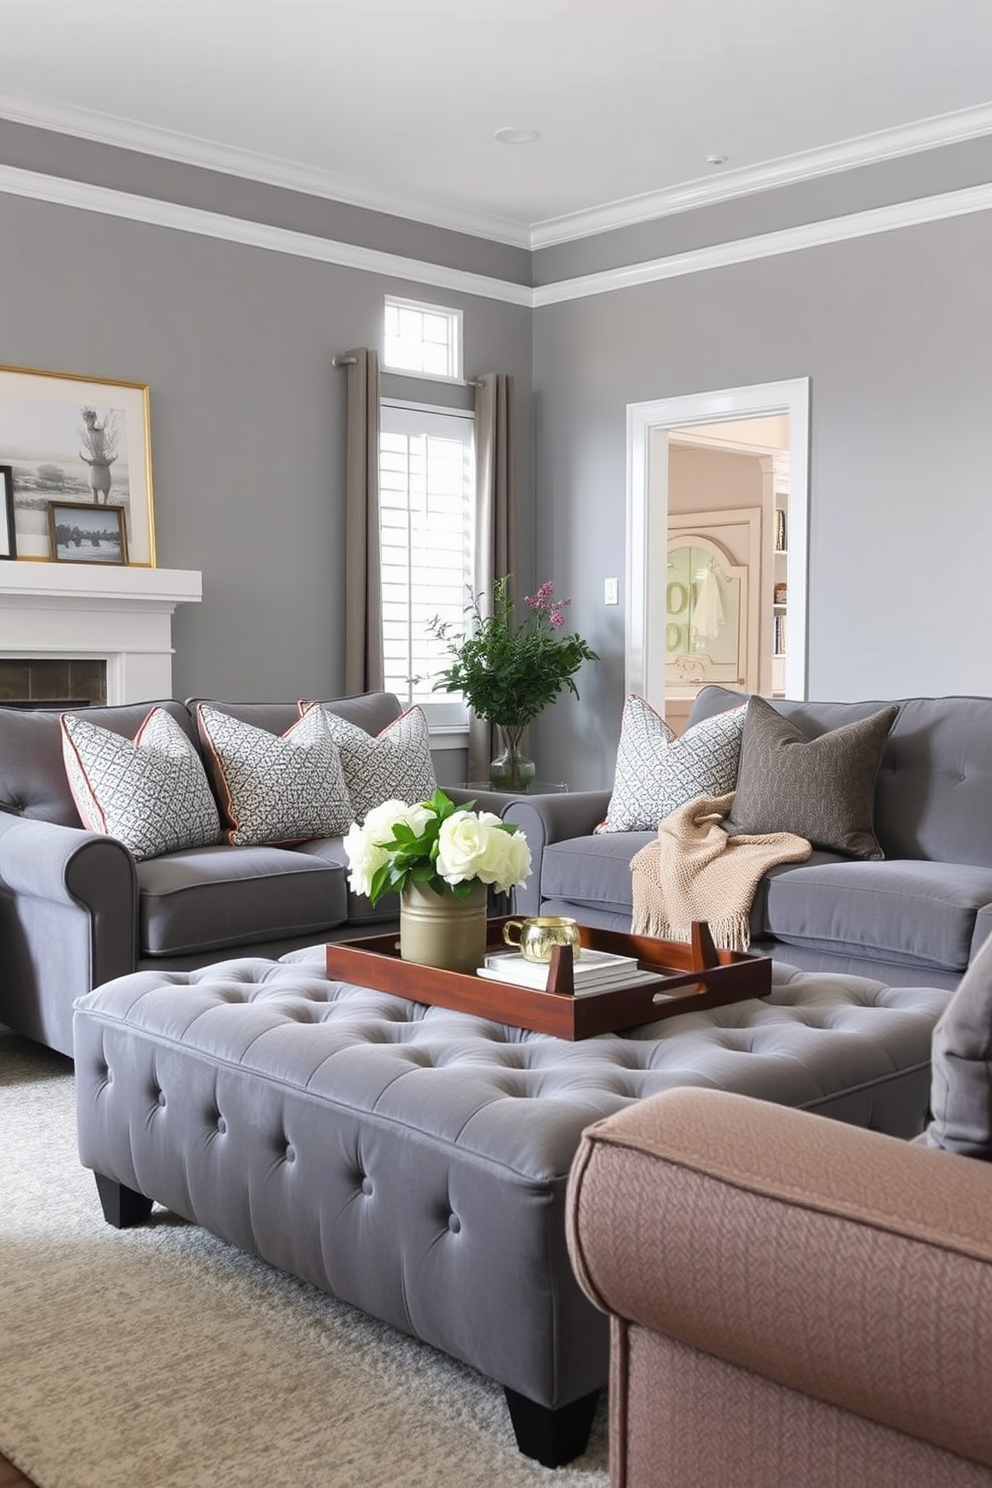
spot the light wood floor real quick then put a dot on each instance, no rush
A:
(10, 1477)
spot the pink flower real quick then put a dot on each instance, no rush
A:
(541, 601)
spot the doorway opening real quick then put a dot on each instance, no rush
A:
(742, 618)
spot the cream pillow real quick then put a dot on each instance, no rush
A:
(657, 772)
(150, 792)
(395, 765)
(275, 787)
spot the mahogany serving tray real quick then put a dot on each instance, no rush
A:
(690, 977)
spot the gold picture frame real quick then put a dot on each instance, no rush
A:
(85, 532)
(76, 439)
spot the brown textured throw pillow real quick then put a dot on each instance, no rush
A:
(822, 789)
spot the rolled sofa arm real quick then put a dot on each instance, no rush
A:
(843, 1264)
(68, 921)
(543, 819)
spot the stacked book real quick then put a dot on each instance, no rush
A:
(594, 971)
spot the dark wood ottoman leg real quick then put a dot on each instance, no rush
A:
(551, 1437)
(122, 1207)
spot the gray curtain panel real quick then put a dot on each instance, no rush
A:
(363, 669)
(496, 521)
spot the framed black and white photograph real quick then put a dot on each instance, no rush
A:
(8, 541)
(82, 532)
(77, 440)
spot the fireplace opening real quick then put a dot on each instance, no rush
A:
(34, 682)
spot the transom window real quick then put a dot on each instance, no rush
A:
(423, 339)
(426, 524)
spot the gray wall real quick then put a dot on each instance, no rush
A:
(247, 411)
(248, 414)
(894, 332)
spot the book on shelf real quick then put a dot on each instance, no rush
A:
(594, 971)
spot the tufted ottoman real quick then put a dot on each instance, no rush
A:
(413, 1161)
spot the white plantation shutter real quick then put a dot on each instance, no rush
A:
(426, 475)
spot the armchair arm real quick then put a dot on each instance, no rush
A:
(68, 921)
(843, 1264)
(551, 818)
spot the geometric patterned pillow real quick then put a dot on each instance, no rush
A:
(272, 787)
(151, 792)
(395, 766)
(656, 772)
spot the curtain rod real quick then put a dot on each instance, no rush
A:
(350, 361)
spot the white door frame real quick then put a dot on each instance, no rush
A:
(647, 518)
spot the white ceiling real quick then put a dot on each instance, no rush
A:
(393, 103)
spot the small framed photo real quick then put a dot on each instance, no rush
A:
(80, 533)
(8, 539)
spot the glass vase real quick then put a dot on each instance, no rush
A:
(440, 930)
(511, 770)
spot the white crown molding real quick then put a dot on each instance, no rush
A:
(869, 149)
(86, 197)
(65, 193)
(126, 134)
(770, 245)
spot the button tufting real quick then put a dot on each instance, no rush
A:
(221, 1125)
(290, 1152)
(366, 1184)
(161, 1097)
(454, 1223)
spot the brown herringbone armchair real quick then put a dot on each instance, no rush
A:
(796, 1303)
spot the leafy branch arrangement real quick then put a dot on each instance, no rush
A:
(508, 672)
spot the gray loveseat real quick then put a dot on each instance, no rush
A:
(76, 909)
(914, 918)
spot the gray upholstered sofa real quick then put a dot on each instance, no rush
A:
(76, 909)
(914, 918)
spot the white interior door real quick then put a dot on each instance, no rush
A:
(648, 522)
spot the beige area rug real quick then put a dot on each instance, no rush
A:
(160, 1357)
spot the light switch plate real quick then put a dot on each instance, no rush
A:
(611, 591)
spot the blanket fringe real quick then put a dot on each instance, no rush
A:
(732, 933)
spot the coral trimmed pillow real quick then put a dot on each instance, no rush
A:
(395, 765)
(275, 787)
(822, 789)
(657, 772)
(150, 792)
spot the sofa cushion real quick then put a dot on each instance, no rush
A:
(216, 897)
(961, 1067)
(906, 911)
(275, 787)
(395, 765)
(361, 912)
(150, 792)
(822, 789)
(592, 872)
(656, 772)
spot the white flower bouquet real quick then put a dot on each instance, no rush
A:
(435, 844)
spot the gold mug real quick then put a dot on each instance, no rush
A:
(538, 936)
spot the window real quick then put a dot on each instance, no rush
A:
(422, 339)
(426, 501)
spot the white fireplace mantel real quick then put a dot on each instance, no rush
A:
(121, 615)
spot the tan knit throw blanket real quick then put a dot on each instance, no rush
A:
(694, 871)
